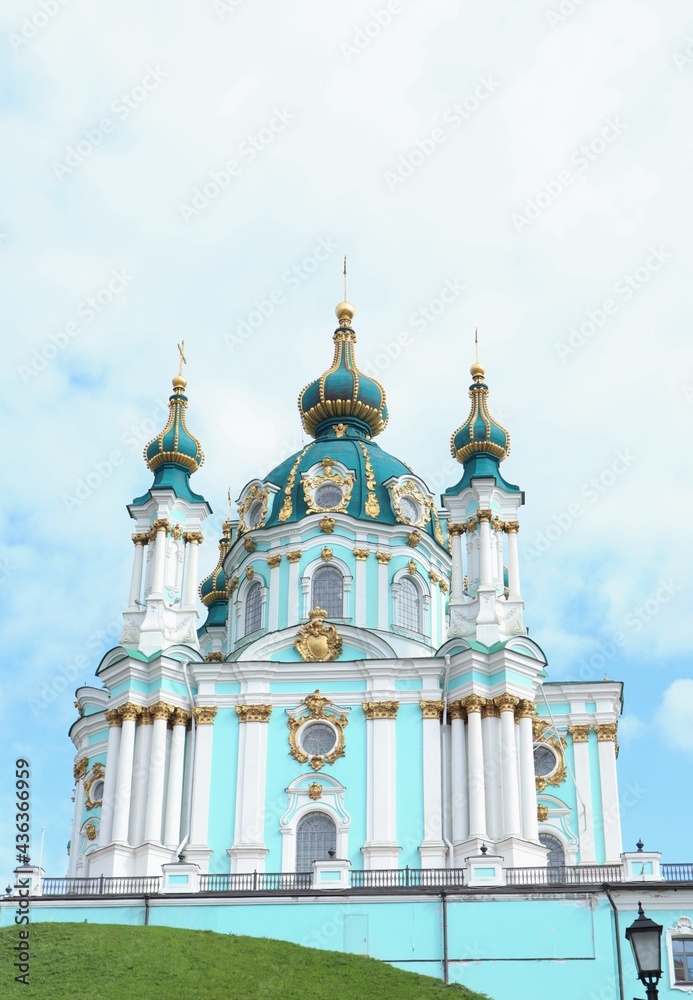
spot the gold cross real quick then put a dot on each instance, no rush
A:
(183, 359)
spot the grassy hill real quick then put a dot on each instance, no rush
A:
(113, 962)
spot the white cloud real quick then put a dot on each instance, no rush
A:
(675, 715)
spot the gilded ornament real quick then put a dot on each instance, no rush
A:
(326, 553)
(316, 707)
(372, 507)
(315, 791)
(253, 496)
(215, 657)
(497, 524)
(484, 515)
(525, 709)
(162, 710)
(380, 709)
(90, 831)
(413, 538)
(273, 561)
(339, 429)
(145, 718)
(412, 490)
(444, 586)
(97, 773)
(540, 782)
(204, 714)
(511, 527)
(233, 584)
(383, 557)
(249, 544)
(176, 532)
(249, 572)
(579, 734)
(470, 524)
(287, 507)
(473, 703)
(432, 709)
(180, 717)
(129, 712)
(437, 530)
(326, 525)
(506, 702)
(113, 717)
(294, 555)
(490, 710)
(142, 538)
(194, 537)
(456, 710)
(361, 554)
(542, 813)
(412, 567)
(455, 529)
(253, 713)
(433, 577)
(316, 641)
(606, 732)
(81, 767)
(329, 475)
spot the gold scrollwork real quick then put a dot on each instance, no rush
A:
(287, 506)
(506, 702)
(542, 813)
(383, 557)
(316, 641)
(90, 831)
(249, 544)
(329, 475)
(97, 774)
(545, 736)
(339, 429)
(437, 530)
(326, 525)
(473, 703)
(525, 709)
(326, 553)
(412, 490)
(444, 586)
(80, 769)
(273, 561)
(254, 495)
(316, 707)
(456, 710)
(484, 515)
(606, 732)
(372, 507)
(315, 791)
(294, 555)
(413, 538)
(412, 567)
(249, 572)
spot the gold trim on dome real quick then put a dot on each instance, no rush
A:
(315, 791)
(413, 538)
(383, 557)
(412, 490)
(177, 405)
(432, 709)
(361, 554)
(339, 429)
(479, 411)
(253, 713)
(326, 553)
(254, 494)
(316, 707)
(287, 506)
(316, 641)
(380, 709)
(331, 477)
(273, 561)
(579, 734)
(372, 506)
(437, 530)
(80, 768)
(204, 715)
(326, 525)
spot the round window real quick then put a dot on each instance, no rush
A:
(545, 761)
(96, 791)
(328, 496)
(318, 739)
(255, 514)
(410, 509)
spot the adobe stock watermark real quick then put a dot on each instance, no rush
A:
(35, 23)
(224, 7)
(581, 159)
(420, 320)
(453, 117)
(123, 106)
(683, 59)
(368, 31)
(291, 280)
(248, 150)
(590, 492)
(87, 310)
(623, 290)
(565, 9)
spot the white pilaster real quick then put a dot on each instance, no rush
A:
(457, 579)
(192, 540)
(432, 849)
(157, 591)
(583, 782)
(475, 756)
(360, 587)
(140, 777)
(76, 824)
(126, 756)
(292, 607)
(174, 794)
(493, 778)
(383, 590)
(248, 849)
(157, 759)
(381, 849)
(273, 605)
(511, 797)
(458, 775)
(611, 812)
(110, 779)
(485, 567)
(512, 527)
(138, 563)
(528, 791)
(197, 849)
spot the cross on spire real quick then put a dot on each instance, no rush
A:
(183, 359)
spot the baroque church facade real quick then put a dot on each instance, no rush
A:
(363, 686)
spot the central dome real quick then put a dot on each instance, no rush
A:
(343, 397)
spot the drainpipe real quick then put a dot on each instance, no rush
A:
(617, 931)
(191, 769)
(146, 910)
(446, 974)
(445, 769)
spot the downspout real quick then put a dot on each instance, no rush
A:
(191, 769)
(617, 930)
(446, 974)
(146, 910)
(445, 769)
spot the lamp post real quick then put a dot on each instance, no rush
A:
(645, 940)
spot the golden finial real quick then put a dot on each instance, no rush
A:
(226, 526)
(345, 311)
(179, 383)
(477, 371)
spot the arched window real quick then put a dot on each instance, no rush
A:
(328, 591)
(408, 605)
(316, 835)
(253, 609)
(556, 857)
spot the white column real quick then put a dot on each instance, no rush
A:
(126, 756)
(273, 607)
(432, 850)
(159, 560)
(458, 774)
(111, 778)
(485, 569)
(457, 584)
(475, 757)
(292, 612)
(248, 849)
(197, 848)
(360, 584)
(434, 612)
(140, 778)
(157, 759)
(611, 812)
(473, 559)
(192, 539)
(498, 546)
(528, 788)
(512, 527)
(511, 798)
(381, 849)
(493, 778)
(174, 793)
(383, 591)
(585, 811)
(76, 824)
(136, 581)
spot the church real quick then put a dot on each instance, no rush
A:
(356, 745)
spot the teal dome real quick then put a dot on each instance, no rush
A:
(213, 587)
(343, 396)
(480, 434)
(175, 446)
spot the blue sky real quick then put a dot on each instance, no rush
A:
(175, 174)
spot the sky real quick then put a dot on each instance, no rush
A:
(198, 171)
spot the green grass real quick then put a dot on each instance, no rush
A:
(113, 962)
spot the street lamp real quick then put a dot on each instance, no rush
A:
(645, 940)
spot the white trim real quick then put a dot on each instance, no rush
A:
(307, 583)
(300, 804)
(683, 928)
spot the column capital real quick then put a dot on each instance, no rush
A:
(455, 528)
(193, 537)
(473, 703)
(129, 711)
(253, 713)
(383, 557)
(490, 710)
(456, 710)
(606, 731)
(162, 710)
(180, 717)
(579, 733)
(273, 561)
(294, 555)
(204, 714)
(525, 709)
(141, 538)
(484, 515)
(432, 709)
(160, 524)
(506, 702)
(497, 524)
(380, 709)
(214, 657)
(511, 527)
(113, 717)
(361, 554)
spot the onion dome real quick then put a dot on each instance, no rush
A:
(480, 434)
(343, 395)
(213, 587)
(175, 445)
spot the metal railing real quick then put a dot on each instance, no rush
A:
(256, 882)
(564, 875)
(101, 886)
(406, 878)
